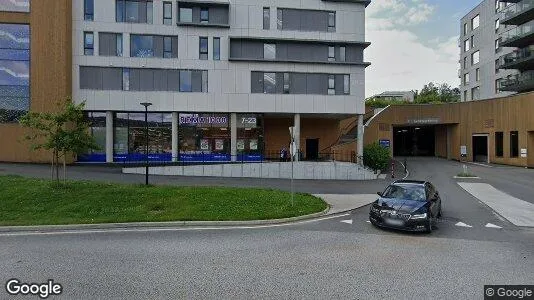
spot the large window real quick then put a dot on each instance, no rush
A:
(300, 83)
(15, 77)
(306, 20)
(269, 83)
(88, 43)
(88, 10)
(110, 44)
(331, 21)
(266, 18)
(475, 58)
(475, 93)
(167, 13)
(186, 15)
(204, 137)
(269, 51)
(134, 11)
(204, 15)
(153, 46)
(16, 6)
(216, 48)
(141, 46)
(475, 22)
(499, 144)
(466, 45)
(514, 144)
(203, 48)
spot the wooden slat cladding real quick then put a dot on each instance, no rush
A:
(462, 120)
(50, 69)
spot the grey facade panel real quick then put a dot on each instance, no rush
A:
(339, 84)
(354, 53)
(90, 78)
(196, 81)
(158, 45)
(173, 80)
(174, 46)
(111, 78)
(196, 14)
(280, 83)
(235, 49)
(135, 78)
(256, 82)
(252, 49)
(160, 80)
(218, 15)
(297, 83)
(317, 84)
(303, 20)
(146, 80)
(107, 44)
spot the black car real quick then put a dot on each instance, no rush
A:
(407, 205)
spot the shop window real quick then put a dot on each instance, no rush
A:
(249, 136)
(499, 144)
(134, 11)
(97, 126)
(204, 137)
(514, 144)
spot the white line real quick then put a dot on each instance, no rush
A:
(479, 164)
(407, 171)
(347, 221)
(124, 230)
(462, 224)
(489, 225)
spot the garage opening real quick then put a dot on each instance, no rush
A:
(480, 148)
(414, 141)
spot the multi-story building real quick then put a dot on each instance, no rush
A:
(480, 42)
(408, 96)
(521, 15)
(225, 79)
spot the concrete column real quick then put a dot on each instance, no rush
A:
(109, 136)
(233, 136)
(359, 151)
(296, 133)
(175, 153)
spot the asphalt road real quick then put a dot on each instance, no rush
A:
(343, 257)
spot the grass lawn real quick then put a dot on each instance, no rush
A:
(25, 201)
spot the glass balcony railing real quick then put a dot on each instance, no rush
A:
(518, 32)
(519, 55)
(518, 82)
(516, 9)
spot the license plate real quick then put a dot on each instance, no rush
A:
(394, 222)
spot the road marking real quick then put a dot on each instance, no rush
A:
(462, 224)
(489, 225)
(516, 211)
(368, 221)
(407, 171)
(347, 221)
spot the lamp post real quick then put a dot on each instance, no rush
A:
(146, 105)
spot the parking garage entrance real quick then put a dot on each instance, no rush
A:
(480, 148)
(414, 141)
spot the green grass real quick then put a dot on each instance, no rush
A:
(25, 201)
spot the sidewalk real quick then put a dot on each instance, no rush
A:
(345, 202)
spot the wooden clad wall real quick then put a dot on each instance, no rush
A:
(462, 120)
(50, 69)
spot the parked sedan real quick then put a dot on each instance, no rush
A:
(407, 205)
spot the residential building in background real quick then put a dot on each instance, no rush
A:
(408, 96)
(225, 78)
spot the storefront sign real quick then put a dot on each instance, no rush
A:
(203, 120)
(424, 121)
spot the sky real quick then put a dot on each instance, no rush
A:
(413, 42)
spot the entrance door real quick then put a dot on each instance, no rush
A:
(312, 149)
(480, 148)
(530, 149)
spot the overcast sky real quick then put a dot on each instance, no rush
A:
(413, 42)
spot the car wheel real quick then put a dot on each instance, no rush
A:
(439, 212)
(429, 225)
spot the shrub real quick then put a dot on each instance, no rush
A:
(376, 157)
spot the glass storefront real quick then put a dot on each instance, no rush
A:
(97, 127)
(204, 137)
(249, 137)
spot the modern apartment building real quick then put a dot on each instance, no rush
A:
(225, 78)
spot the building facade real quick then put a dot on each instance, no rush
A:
(225, 78)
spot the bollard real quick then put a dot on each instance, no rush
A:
(392, 169)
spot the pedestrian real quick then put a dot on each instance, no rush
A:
(282, 154)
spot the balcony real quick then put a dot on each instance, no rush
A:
(519, 37)
(518, 13)
(521, 59)
(520, 83)
(211, 13)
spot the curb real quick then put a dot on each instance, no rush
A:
(52, 228)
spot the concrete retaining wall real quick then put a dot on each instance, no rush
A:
(301, 170)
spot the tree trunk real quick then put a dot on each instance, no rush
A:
(64, 168)
(57, 166)
(52, 168)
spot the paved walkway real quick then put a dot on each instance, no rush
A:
(345, 202)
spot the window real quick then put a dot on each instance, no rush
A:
(472, 41)
(15, 6)
(134, 11)
(286, 83)
(266, 18)
(465, 29)
(465, 95)
(475, 93)
(88, 43)
(346, 84)
(497, 45)
(269, 51)
(331, 85)
(475, 58)
(186, 84)
(216, 48)
(119, 44)
(269, 83)
(499, 144)
(466, 78)
(141, 45)
(497, 25)
(497, 64)
(167, 47)
(331, 53)
(465, 62)
(204, 15)
(204, 81)
(498, 86)
(331, 22)
(126, 79)
(88, 10)
(167, 13)
(466, 45)
(342, 53)
(109, 44)
(15, 82)
(186, 15)
(477, 74)
(514, 144)
(497, 6)
(203, 48)
(475, 22)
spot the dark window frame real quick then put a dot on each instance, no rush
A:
(266, 18)
(499, 144)
(88, 48)
(167, 53)
(331, 21)
(88, 10)
(120, 16)
(165, 11)
(514, 144)
(203, 55)
(216, 48)
(204, 19)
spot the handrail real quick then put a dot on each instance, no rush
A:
(372, 118)
(350, 125)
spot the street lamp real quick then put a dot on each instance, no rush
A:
(146, 105)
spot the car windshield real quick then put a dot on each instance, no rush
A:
(407, 192)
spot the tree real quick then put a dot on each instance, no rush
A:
(65, 132)
(376, 157)
(433, 93)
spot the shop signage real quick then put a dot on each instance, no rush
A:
(424, 121)
(196, 119)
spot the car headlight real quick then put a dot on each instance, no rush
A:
(418, 216)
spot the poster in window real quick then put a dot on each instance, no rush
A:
(253, 144)
(219, 144)
(204, 144)
(240, 144)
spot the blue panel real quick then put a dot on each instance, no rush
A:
(14, 36)
(14, 72)
(14, 54)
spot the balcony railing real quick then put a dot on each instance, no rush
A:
(518, 56)
(518, 82)
(516, 9)
(518, 33)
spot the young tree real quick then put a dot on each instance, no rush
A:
(65, 132)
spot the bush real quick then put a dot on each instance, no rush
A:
(376, 157)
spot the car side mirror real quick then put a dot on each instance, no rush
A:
(379, 194)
